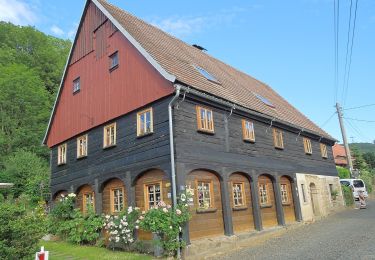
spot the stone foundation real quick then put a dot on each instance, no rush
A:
(317, 202)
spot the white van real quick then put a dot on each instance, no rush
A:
(356, 185)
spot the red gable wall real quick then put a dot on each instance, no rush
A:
(104, 95)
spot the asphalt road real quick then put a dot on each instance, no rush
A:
(346, 235)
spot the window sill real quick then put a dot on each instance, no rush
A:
(239, 208)
(144, 135)
(61, 164)
(308, 153)
(205, 131)
(81, 157)
(113, 68)
(76, 92)
(249, 141)
(266, 206)
(279, 148)
(286, 204)
(109, 146)
(209, 210)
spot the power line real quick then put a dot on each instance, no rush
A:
(347, 45)
(350, 108)
(351, 124)
(360, 120)
(326, 122)
(350, 55)
(336, 15)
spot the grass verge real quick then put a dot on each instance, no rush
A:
(62, 251)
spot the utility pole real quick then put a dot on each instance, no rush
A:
(343, 132)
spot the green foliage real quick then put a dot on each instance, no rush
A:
(32, 48)
(348, 195)
(367, 177)
(28, 172)
(369, 158)
(20, 230)
(167, 223)
(363, 147)
(344, 173)
(334, 194)
(71, 225)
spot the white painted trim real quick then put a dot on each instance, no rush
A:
(127, 35)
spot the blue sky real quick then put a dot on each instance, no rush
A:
(286, 44)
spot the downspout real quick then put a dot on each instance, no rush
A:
(173, 167)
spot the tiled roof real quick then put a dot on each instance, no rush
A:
(180, 59)
(339, 154)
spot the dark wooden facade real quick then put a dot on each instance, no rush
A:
(221, 157)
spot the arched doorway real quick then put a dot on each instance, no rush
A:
(85, 198)
(314, 199)
(267, 201)
(241, 203)
(60, 195)
(151, 187)
(114, 197)
(287, 199)
(207, 211)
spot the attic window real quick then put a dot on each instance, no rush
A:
(207, 75)
(265, 100)
(113, 61)
(76, 85)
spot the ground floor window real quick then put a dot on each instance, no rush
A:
(204, 194)
(238, 198)
(263, 194)
(153, 195)
(303, 193)
(88, 201)
(117, 199)
(284, 193)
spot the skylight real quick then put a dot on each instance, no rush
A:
(265, 100)
(205, 74)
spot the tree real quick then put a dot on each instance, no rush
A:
(369, 158)
(29, 174)
(24, 111)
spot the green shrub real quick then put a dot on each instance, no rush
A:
(71, 225)
(20, 230)
(167, 223)
(348, 195)
(343, 173)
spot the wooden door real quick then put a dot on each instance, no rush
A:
(241, 204)
(287, 199)
(267, 201)
(207, 215)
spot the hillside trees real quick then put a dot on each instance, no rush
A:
(31, 65)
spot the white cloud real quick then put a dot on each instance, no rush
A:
(17, 12)
(180, 26)
(57, 30)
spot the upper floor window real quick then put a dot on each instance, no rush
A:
(284, 193)
(113, 61)
(278, 138)
(307, 145)
(323, 150)
(248, 130)
(117, 199)
(205, 119)
(61, 154)
(153, 195)
(204, 192)
(76, 85)
(82, 146)
(145, 122)
(109, 138)
(238, 194)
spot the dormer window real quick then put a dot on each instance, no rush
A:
(113, 61)
(264, 100)
(207, 75)
(76, 85)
